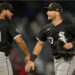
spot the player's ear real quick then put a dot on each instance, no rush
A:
(57, 13)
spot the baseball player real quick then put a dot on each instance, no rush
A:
(7, 34)
(61, 37)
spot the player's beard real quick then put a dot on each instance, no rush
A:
(51, 17)
(8, 17)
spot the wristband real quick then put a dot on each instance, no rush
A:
(33, 57)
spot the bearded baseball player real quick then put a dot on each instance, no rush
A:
(7, 34)
(61, 36)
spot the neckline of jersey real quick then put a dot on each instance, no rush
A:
(58, 25)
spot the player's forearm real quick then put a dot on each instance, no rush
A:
(22, 45)
(38, 48)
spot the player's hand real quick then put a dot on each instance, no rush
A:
(68, 46)
(29, 66)
(27, 59)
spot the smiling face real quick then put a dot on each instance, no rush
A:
(7, 14)
(51, 15)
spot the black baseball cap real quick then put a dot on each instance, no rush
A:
(54, 7)
(6, 6)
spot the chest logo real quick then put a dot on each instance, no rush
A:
(62, 37)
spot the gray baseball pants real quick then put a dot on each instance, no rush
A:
(63, 67)
(5, 65)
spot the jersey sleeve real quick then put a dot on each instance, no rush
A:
(42, 36)
(12, 31)
(72, 32)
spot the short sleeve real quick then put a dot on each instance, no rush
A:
(46, 32)
(72, 32)
(42, 36)
(12, 31)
